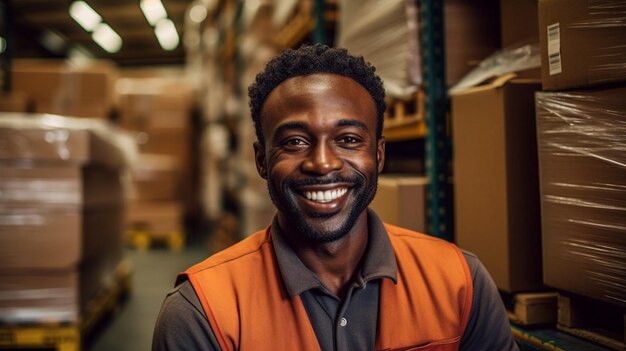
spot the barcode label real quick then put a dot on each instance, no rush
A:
(554, 49)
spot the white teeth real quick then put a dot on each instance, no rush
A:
(325, 196)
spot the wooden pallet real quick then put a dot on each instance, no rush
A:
(531, 309)
(404, 119)
(592, 320)
(551, 339)
(64, 336)
(142, 239)
(534, 309)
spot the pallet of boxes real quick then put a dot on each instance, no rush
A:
(157, 113)
(581, 132)
(61, 229)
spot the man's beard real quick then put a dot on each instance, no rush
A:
(286, 204)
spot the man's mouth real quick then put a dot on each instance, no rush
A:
(325, 195)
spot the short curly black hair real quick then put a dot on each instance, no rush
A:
(309, 59)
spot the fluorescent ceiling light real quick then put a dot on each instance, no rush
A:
(87, 17)
(153, 10)
(166, 34)
(106, 37)
(52, 41)
(197, 13)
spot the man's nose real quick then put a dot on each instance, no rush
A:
(322, 160)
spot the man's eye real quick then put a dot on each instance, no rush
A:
(349, 140)
(294, 142)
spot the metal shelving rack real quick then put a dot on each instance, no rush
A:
(5, 32)
(438, 150)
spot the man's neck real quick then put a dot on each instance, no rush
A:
(336, 262)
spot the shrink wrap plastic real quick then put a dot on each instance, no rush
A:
(386, 34)
(583, 43)
(508, 60)
(61, 203)
(44, 137)
(582, 152)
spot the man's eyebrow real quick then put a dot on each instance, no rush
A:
(352, 123)
(290, 126)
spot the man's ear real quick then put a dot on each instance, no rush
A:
(380, 154)
(259, 159)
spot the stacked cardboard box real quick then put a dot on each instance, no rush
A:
(496, 190)
(495, 177)
(59, 87)
(61, 208)
(158, 113)
(582, 43)
(401, 200)
(582, 142)
(15, 101)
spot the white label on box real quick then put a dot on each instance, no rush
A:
(554, 49)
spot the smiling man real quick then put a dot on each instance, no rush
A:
(327, 274)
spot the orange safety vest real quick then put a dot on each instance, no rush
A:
(248, 307)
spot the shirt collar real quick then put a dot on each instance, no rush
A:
(378, 261)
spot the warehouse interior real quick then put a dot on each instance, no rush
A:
(126, 152)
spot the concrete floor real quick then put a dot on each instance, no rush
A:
(154, 272)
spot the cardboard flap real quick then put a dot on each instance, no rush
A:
(495, 83)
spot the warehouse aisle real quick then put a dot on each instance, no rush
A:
(154, 272)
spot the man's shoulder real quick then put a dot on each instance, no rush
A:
(237, 253)
(396, 232)
(422, 245)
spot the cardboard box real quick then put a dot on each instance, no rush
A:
(146, 112)
(60, 187)
(496, 180)
(58, 216)
(156, 177)
(519, 21)
(170, 142)
(39, 238)
(15, 101)
(470, 35)
(401, 201)
(150, 103)
(30, 296)
(581, 140)
(89, 108)
(53, 295)
(44, 138)
(62, 88)
(582, 43)
(159, 217)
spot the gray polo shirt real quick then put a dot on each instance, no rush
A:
(339, 325)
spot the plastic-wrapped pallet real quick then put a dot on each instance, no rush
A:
(582, 158)
(386, 34)
(582, 43)
(62, 192)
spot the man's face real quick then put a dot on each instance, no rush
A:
(321, 158)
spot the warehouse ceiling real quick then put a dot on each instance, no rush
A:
(48, 23)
